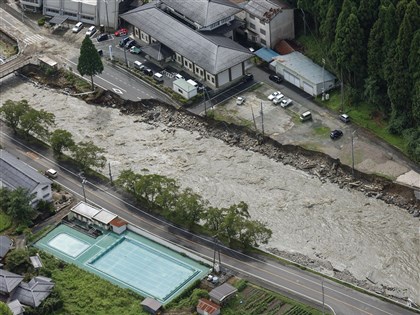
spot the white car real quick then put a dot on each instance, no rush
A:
(77, 27)
(91, 31)
(274, 95)
(240, 100)
(278, 98)
(286, 102)
(177, 76)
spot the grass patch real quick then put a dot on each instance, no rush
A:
(228, 116)
(5, 221)
(321, 130)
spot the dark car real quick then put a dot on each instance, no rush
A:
(335, 134)
(275, 78)
(248, 77)
(100, 52)
(148, 71)
(130, 44)
(102, 37)
(124, 41)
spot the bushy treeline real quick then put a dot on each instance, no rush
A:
(373, 46)
(163, 195)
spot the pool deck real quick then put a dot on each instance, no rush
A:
(99, 247)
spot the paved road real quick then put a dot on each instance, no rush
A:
(289, 280)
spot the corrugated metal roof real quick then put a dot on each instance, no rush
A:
(265, 9)
(184, 85)
(222, 292)
(266, 54)
(151, 303)
(14, 173)
(212, 53)
(304, 67)
(85, 210)
(204, 12)
(104, 216)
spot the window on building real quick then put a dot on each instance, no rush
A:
(53, 11)
(45, 196)
(45, 187)
(87, 17)
(262, 31)
(212, 80)
(201, 72)
(180, 91)
(69, 13)
(251, 17)
(263, 42)
(252, 26)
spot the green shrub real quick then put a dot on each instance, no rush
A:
(41, 21)
(241, 285)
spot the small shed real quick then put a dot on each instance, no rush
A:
(16, 307)
(206, 307)
(47, 61)
(118, 225)
(222, 293)
(184, 88)
(151, 305)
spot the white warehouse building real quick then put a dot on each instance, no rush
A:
(95, 12)
(302, 72)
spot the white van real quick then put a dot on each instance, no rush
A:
(306, 116)
(51, 173)
(193, 83)
(138, 65)
(91, 31)
(158, 77)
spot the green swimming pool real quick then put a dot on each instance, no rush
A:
(128, 260)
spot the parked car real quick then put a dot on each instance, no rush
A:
(102, 37)
(100, 52)
(345, 118)
(124, 41)
(121, 32)
(135, 50)
(177, 76)
(248, 77)
(240, 100)
(275, 78)
(148, 72)
(91, 31)
(130, 44)
(286, 102)
(278, 99)
(305, 116)
(138, 65)
(77, 28)
(273, 95)
(335, 134)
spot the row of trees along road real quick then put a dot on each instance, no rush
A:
(23, 119)
(161, 194)
(373, 46)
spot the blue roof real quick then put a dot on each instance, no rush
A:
(266, 54)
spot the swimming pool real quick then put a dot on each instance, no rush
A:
(128, 260)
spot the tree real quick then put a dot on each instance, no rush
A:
(88, 155)
(18, 205)
(4, 309)
(61, 140)
(214, 218)
(13, 111)
(37, 122)
(18, 260)
(188, 208)
(252, 233)
(90, 62)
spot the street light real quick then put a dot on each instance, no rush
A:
(323, 79)
(83, 186)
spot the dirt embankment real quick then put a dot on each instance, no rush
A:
(321, 216)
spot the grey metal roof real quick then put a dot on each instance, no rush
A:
(212, 53)
(299, 64)
(222, 292)
(264, 9)
(34, 292)
(14, 173)
(204, 12)
(9, 281)
(5, 245)
(157, 51)
(151, 303)
(15, 307)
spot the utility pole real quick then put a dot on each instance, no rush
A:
(352, 153)
(83, 187)
(323, 79)
(216, 266)
(342, 92)
(125, 56)
(262, 119)
(323, 300)
(110, 174)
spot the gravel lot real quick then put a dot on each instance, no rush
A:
(345, 229)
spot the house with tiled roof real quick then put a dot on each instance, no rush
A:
(269, 21)
(33, 292)
(9, 281)
(206, 307)
(15, 173)
(5, 245)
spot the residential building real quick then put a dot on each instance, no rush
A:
(268, 21)
(9, 281)
(211, 58)
(33, 292)
(14, 173)
(95, 12)
(5, 245)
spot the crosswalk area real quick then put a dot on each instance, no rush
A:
(33, 39)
